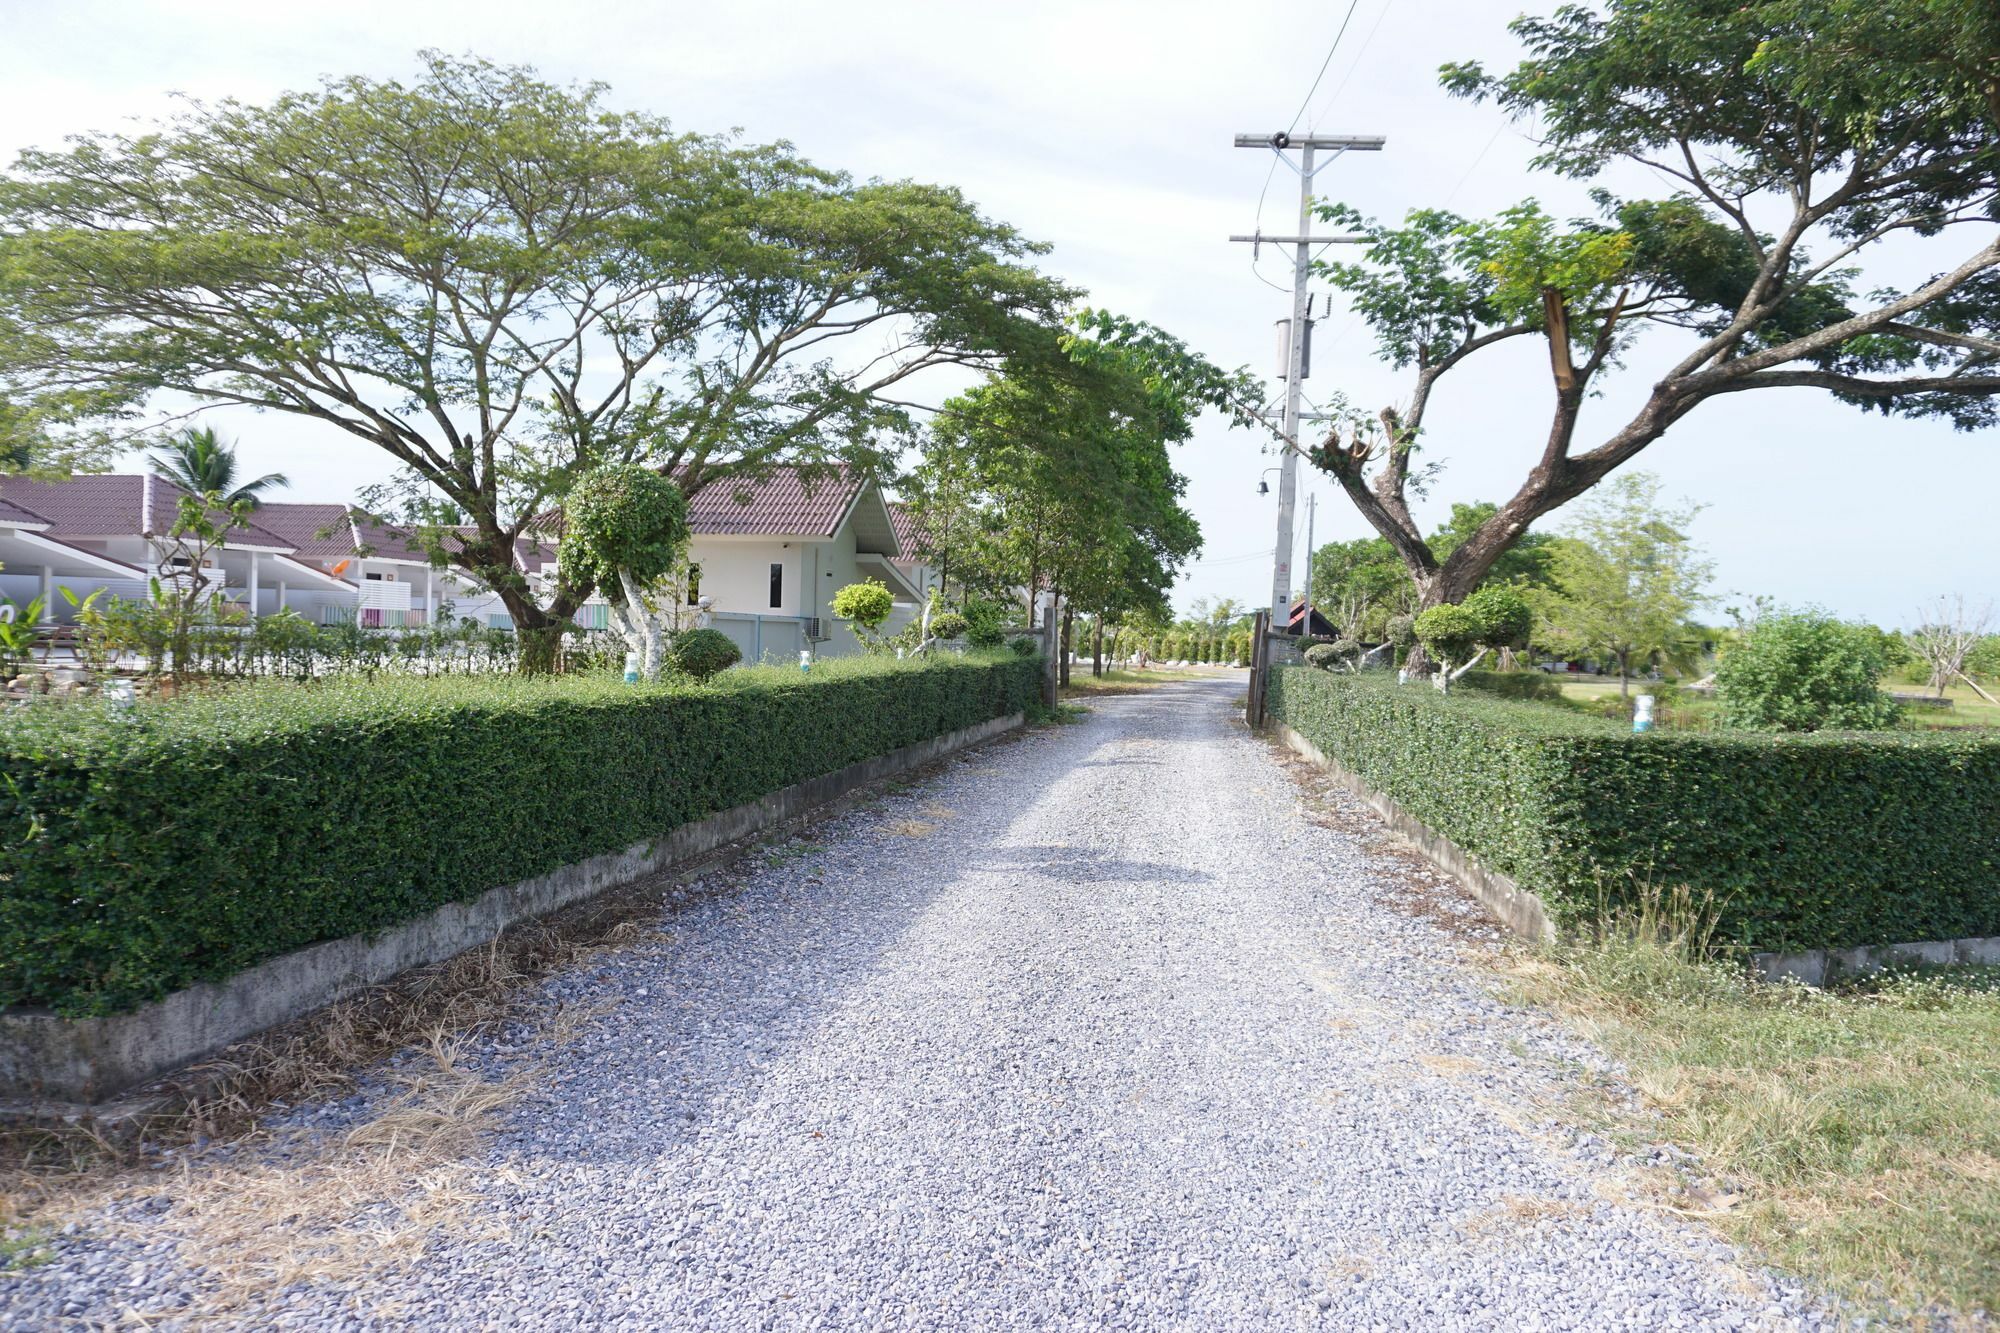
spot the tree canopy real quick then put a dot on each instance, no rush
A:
(1801, 136)
(500, 282)
(1061, 480)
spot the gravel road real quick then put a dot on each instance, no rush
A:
(1094, 1028)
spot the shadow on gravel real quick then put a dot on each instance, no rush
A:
(1081, 865)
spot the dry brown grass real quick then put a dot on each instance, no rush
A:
(347, 1212)
(912, 828)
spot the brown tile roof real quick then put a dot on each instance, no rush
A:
(787, 502)
(18, 515)
(96, 505)
(302, 524)
(910, 535)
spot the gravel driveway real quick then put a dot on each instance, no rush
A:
(1093, 1029)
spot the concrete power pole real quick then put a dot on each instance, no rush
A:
(1295, 359)
(1312, 510)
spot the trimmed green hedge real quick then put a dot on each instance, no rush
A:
(204, 835)
(1826, 840)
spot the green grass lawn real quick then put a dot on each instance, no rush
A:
(1855, 1133)
(1967, 708)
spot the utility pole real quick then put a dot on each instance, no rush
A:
(1312, 509)
(1295, 359)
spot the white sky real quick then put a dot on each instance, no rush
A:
(1105, 129)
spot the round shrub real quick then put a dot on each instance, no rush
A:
(1323, 656)
(1804, 671)
(622, 516)
(703, 653)
(865, 604)
(1452, 633)
(1024, 646)
(950, 625)
(1346, 647)
(1401, 630)
(1503, 616)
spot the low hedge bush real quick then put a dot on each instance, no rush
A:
(202, 835)
(1828, 840)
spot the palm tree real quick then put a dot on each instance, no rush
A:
(199, 460)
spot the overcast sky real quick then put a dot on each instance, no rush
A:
(1105, 129)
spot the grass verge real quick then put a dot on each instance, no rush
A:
(1856, 1131)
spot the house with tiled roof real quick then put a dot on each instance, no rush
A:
(768, 553)
(771, 552)
(114, 533)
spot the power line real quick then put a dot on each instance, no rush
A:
(1351, 7)
(1348, 77)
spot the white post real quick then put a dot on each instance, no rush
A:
(48, 594)
(430, 596)
(254, 590)
(281, 595)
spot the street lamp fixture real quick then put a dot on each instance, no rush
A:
(1264, 487)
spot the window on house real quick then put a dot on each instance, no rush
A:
(777, 586)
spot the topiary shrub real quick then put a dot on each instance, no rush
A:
(1325, 656)
(1805, 671)
(703, 653)
(864, 606)
(1401, 631)
(949, 625)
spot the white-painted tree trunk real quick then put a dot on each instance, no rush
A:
(640, 624)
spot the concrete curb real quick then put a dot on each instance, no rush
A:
(65, 1067)
(1816, 967)
(1515, 908)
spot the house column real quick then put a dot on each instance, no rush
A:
(281, 597)
(430, 596)
(48, 594)
(254, 557)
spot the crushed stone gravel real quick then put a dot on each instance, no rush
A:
(1097, 1027)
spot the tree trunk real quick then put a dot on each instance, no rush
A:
(1068, 631)
(1097, 647)
(1624, 673)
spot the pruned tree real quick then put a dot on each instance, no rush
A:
(1947, 633)
(1803, 135)
(501, 283)
(1459, 636)
(625, 529)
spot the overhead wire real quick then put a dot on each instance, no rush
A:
(1304, 103)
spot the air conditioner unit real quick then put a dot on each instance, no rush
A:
(815, 630)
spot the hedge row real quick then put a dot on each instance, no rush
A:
(202, 836)
(1797, 841)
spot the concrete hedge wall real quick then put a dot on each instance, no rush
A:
(1800, 841)
(201, 836)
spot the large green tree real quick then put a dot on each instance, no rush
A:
(502, 283)
(1801, 136)
(1062, 481)
(1627, 578)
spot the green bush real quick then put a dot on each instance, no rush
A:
(205, 834)
(1536, 685)
(1799, 841)
(1805, 671)
(703, 653)
(949, 625)
(1323, 656)
(1025, 645)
